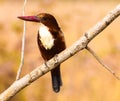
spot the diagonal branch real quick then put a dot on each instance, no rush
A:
(101, 62)
(52, 63)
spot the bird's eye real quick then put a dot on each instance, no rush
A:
(44, 18)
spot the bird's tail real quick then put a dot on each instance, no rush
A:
(56, 79)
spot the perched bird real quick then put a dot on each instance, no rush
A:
(50, 41)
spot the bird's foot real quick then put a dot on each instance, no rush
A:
(56, 59)
(46, 65)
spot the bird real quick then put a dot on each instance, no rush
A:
(50, 41)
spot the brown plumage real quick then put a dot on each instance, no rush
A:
(55, 42)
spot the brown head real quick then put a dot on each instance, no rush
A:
(44, 18)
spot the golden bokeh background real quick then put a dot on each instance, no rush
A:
(84, 79)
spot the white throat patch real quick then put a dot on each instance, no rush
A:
(46, 37)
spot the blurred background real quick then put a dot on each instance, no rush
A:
(84, 79)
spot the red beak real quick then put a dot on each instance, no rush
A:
(29, 18)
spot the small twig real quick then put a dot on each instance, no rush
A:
(23, 44)
(101, 62)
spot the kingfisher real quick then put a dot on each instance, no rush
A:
(51, 41)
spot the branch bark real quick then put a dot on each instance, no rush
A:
(52, 63)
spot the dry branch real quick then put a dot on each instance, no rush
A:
(52, 63)
(23, 44)
(101, 62)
